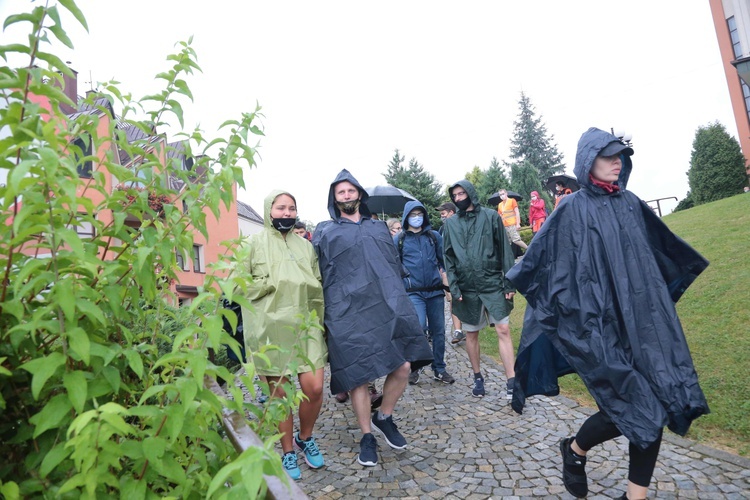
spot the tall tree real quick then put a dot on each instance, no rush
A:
(524, 178)
(494, 180)
(414, 179)
(396, 172)
(717, 167)
(475, 176)
(532, 143)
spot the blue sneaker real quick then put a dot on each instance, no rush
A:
(478, 389)
(368, 451)
(289, 462)
(310, 449)
(387, 427)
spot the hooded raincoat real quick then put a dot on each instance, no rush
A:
(601, 279)
(421, 255)
(286, 284)
(477, 255)
(372, 327)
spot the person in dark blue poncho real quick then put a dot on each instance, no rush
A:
(372, 328)
(601, 279)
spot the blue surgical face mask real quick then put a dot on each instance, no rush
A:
(415, 220)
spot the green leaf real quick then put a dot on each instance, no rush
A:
(73, 9)
(53, 458)
(9, 490)
(77, 387)
(175, 421)
(52, 415)
(153, 448)
(80, 343)
(91, 311)
(66, 298)
(42, 369)
(113, 377)
(135, 361)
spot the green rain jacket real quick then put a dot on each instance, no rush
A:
(477, 255)
(286, 284)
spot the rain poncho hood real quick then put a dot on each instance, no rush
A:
(286, 284)
(601, 279)
(372, 327)
(421, 255)
(344, 175)
(477, 255)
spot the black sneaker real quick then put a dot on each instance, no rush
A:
(389, 430)
(574, 470)
(509, 388)
(478, 389)
(444, 377)
(368, 451)
(414, 377)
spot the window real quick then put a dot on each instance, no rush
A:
(180, 260)
(746, 96)
(83, 228)
(82, 149)
(735, 36)
(198, 258)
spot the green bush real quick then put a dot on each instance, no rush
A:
(101, 378)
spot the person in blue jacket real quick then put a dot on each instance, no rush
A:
(420, 249)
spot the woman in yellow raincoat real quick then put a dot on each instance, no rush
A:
(286, 287)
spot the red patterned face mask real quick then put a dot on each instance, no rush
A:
(609, 188)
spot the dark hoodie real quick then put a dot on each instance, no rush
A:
(477, 255)
(421, 255)
(601, 279)
(372, 327)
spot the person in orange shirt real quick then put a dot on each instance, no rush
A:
(561, 192)
(508, 210)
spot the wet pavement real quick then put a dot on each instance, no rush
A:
(460, 446)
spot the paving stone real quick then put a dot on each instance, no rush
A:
(478, 448)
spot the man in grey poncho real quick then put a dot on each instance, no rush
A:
(372, 327)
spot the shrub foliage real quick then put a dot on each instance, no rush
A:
(717, 166)
(88, 406)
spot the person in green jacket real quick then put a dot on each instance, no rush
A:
(477, 255)
(286, 287)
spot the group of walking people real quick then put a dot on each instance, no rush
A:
(601, 277)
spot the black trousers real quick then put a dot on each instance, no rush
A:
(599, 428)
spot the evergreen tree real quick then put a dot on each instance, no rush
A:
(396, 172)
(494, 179)
(418, 182)
(531, 142)
(524, 178)
(476, 177)
(717, 167)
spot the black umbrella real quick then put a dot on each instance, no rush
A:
(387, 199)
(495, 198)
(569, 181)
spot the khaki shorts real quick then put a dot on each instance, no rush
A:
(485, 319)
(512, 233)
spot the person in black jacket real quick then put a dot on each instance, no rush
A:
(372, 328)
(601, 280)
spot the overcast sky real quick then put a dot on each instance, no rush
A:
(342, 84)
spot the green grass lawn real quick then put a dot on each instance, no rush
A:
(715, 314)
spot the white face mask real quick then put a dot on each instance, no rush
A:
(533, 197)
(415, 220)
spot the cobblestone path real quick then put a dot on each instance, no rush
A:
(478, 448)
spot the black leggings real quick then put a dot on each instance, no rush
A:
(599, 428)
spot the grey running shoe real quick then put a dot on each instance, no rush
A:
(414, 377)
(444, 377)
(509, 388)
(368, 451)
(478, 389)
(389, 430)
(458, 337)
